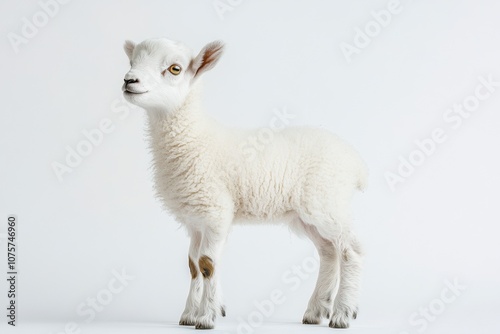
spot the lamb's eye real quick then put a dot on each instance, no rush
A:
(174, 69)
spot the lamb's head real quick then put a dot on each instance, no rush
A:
(163, 72)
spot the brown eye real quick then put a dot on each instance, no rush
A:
(174, 69)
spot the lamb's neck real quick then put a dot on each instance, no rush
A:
(173, 132)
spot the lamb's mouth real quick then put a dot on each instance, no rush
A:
(136, 93)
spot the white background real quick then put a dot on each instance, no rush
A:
(440, 224)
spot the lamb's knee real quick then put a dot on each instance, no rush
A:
(350, 255)
(192, 269)
(206, 266)
(345, 255)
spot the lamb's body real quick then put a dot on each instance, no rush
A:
(200, 168)
(303, 177)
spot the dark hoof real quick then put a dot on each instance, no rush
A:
(186, 323)
(202, 326)
(223, 311)
(338, 324)
(310, 321)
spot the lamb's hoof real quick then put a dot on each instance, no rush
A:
(338, 324)
(204, 326)
(223, 311)
(312, 318)
(341, 319)
(205, 322)
(187, 320)
(311, 321)
(315, 313)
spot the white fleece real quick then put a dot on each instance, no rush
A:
(303, 177)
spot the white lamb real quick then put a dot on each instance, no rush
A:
(304, 177)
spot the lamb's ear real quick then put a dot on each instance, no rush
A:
(129, 47)
(207, 58)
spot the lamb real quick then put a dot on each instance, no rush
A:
(304, 178)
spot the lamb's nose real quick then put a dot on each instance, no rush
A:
(129, 81)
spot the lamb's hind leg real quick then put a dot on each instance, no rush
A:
(346, 307)
(188, 317)
(322, 299)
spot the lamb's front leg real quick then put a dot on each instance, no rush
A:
(188, 317)
(211, 304)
